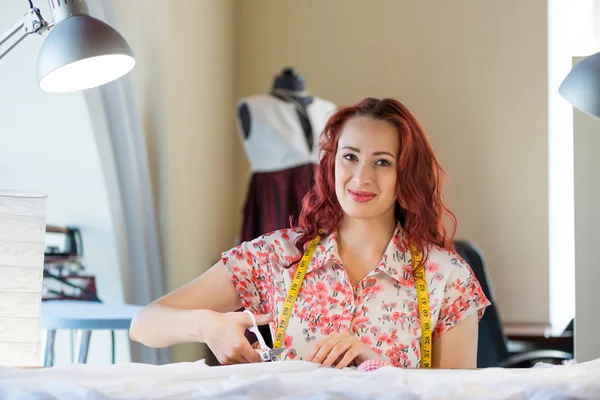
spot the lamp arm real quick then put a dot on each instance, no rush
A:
(32, 22)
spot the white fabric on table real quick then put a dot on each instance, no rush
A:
(296, 380)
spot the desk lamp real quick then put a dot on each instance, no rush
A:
(80, 52)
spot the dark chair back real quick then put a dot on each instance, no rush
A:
(492, 348)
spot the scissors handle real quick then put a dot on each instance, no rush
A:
(254, 329)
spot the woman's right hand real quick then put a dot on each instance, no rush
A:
(224, 335)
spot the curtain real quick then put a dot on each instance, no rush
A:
(122, 147)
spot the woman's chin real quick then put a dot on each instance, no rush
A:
(361, 213)
(365, 212)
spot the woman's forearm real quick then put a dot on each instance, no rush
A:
(187, 314)
(159, 325)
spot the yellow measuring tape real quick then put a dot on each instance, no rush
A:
(286, 313)
(422, 299)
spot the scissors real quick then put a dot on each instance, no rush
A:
(265, 352)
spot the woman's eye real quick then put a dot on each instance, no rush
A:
(350, 157)
(383, 163)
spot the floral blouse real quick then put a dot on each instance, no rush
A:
(381, 310)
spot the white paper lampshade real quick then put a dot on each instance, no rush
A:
(22, 243)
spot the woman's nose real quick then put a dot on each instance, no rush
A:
(363, 174)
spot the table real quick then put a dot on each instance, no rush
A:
(540, 336)
(83, 316)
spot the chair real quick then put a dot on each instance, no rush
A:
(492, 349)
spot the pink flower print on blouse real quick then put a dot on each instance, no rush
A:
(381, 310)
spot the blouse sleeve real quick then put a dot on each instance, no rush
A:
(463, 297)
(249, 268)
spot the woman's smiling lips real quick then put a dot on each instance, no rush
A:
(361, 196)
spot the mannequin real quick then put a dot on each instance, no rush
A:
(287, 86)
(280, 132)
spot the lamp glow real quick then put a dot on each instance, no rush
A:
(82, 52)
(87, 73)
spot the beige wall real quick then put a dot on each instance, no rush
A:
(184, 83)
(473, 72)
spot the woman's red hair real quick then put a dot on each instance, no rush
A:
(420, 209)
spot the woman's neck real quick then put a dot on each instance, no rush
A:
(368, 236)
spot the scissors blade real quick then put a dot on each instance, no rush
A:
(278, 351)
(272, 354)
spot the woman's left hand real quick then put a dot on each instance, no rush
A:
(342, 349)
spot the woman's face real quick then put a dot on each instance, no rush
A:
(366, 168)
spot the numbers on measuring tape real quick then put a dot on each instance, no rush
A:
(423, 302)
(293, 292)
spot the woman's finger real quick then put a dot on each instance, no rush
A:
(264, 319)
(349, 357)
(234, 359)
(245, 352)
(325, 349)
(337, 352)
(320, 343)
(317, 347)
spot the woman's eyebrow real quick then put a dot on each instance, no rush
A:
(381, 153)
(351, 148)
(377, 153)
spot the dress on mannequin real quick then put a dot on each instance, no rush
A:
(280, 133)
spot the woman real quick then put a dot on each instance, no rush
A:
(377, 191)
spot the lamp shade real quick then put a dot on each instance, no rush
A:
(581, 87)
(22, 245)
(82, 52)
